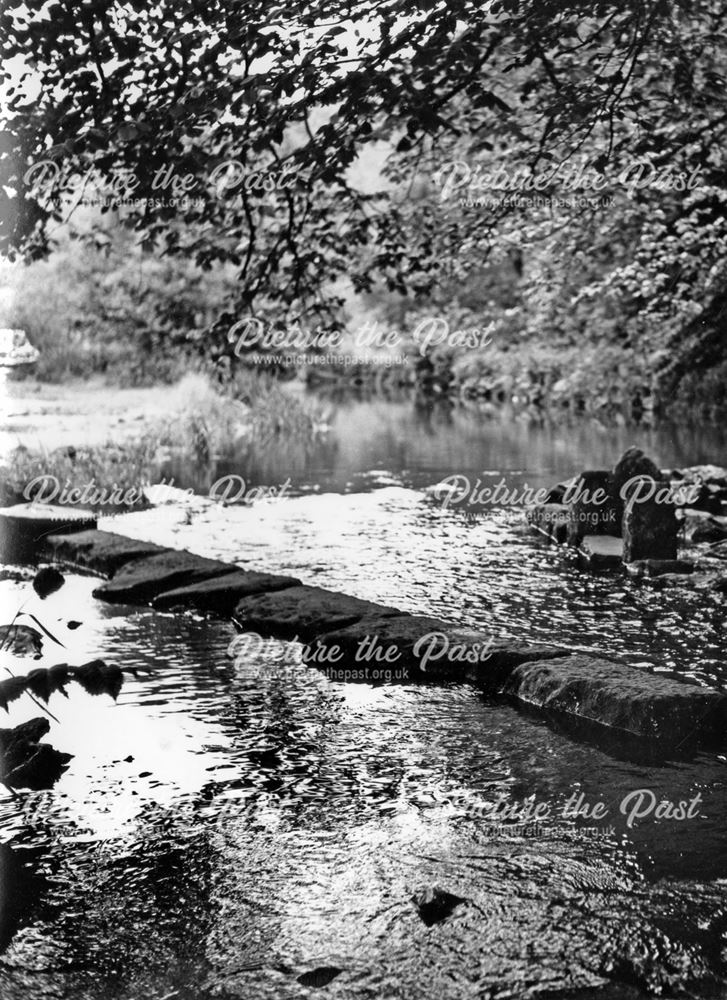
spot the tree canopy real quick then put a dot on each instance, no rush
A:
(232, 129)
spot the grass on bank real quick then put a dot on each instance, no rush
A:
(206, 423)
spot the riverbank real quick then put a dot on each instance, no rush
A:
(119, 442)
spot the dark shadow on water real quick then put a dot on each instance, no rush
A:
(21, 889)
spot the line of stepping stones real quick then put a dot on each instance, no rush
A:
(595, 690)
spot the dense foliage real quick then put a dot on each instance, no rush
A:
(254, 115)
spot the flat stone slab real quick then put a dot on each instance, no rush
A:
(101, 551)
(221, 594)
(24, 527)
(305, 612)
(622, 698)
(424, 649)
(140, 581)
(601, 551)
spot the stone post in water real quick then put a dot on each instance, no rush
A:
(649, 524)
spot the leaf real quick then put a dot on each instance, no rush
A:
(21, 640)
(27, 763)
(98, 677)
(42, 627)
(47, 581)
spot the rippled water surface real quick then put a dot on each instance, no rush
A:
(222, 829)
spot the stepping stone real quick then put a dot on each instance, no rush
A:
(222, 594)
(424, 649)
(24, 526)
(623, 698)
(101, 551)
(658, 567)
(304, 612)
(140, 581)
(601, 551)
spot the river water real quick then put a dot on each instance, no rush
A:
(225, 830)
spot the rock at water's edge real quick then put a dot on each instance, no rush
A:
(601, 551)
(659, 567)
(25, 526)
(632, 463)
(622, 698)
(593, 511)
(649, 530)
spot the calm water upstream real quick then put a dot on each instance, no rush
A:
(223, 830)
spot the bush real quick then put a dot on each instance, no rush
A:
(100, 304)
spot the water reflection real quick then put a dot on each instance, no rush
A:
(421, 441)
(223, 830)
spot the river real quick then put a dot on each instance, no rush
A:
(226, 830)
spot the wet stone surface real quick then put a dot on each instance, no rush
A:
(223, 594)
(104, 552)
(304, 611)
(144, 579)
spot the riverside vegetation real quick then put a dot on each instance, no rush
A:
(605, 290)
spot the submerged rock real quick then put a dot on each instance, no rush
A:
(321, 976)
(434, 904)
(620, 697)
(659, 567)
